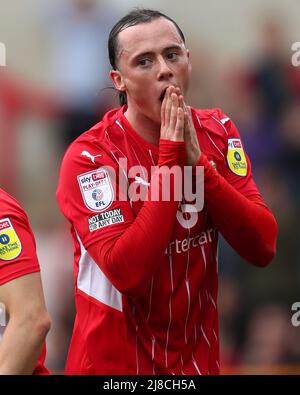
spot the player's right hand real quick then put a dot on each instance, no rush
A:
(172, 116)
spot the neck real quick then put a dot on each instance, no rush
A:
(144, 126)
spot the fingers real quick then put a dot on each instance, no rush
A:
(180, 101)
(179, 127)
(168, 105)
(162, 111)
(186, 124)
(188, 120)
(173, 116)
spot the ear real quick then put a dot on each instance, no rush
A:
(189, 60)
(118, 80)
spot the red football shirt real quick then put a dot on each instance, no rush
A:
(146, 277)
(17, 250)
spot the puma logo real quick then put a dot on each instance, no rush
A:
(140, 180)
(88, 155)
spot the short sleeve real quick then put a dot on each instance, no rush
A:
(17, 246)
(90, 196)
(237, 169)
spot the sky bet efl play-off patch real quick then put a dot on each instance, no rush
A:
(10, 244)
(236, 157)
(96, 189)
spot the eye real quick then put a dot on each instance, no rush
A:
(172, 56)
(144, 62)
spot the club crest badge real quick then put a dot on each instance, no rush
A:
(96, 189)
(236, 158)
(10, 244)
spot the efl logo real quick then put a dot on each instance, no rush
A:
(2, 54)
(2, 314)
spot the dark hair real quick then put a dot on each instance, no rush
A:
(135, 17)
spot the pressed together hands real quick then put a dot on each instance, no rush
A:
(177, 124)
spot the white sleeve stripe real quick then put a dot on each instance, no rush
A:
(187, 285)
(142, 167)
(150, 153)
(224, 120)
(108, 138)
(150, 299)
(136, 344)
(116, 159)
(220, 123)
(153, 353)
(195, 365)
(212, 301)
(170, 309)
(118, 123)
(216, 337)
(198, 121)
(136, 351)
(182, 372)
(203, 256)
(215, 145)
(205, 337)
(199, 299)
(188, 309)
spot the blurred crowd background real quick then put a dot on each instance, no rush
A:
(56, 85)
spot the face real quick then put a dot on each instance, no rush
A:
(151, 57)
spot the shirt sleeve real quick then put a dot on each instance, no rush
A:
(235, 204)
(125, 247)
(17, 246)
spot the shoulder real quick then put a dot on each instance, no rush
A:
(87, 158)
(220, 140)
(93, 146)
(10, 206)
(213, 120)
(15, 236)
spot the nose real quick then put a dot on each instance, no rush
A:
(164, 71)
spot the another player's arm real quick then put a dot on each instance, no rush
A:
(27, 327)
(245, 222)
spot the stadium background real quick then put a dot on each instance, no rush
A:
(241, 56)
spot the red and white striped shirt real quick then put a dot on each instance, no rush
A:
(146, 274)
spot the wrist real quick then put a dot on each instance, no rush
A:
(171, 152)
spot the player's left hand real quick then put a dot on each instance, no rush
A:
(193, 150)
(191, 140)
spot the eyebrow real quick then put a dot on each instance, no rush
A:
(147, 53)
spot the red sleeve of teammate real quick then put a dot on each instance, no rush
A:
(129, 251)
(17, 246)
(235, 205)
(17, 252)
